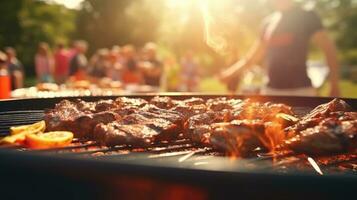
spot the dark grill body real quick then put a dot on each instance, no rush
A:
(88, 170)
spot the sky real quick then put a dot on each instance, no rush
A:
(73, 4)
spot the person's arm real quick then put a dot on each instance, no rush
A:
(254, 56)
(19, 79)
(323, 41)
(38, 67)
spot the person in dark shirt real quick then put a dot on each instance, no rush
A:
(152, 66)
(78, 63)
(131, 72)
(16, 69)
(284, 44)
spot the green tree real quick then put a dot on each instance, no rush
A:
(104, 23)
(25, 23)
(42, 22)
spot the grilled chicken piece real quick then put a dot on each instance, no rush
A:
(330, 136)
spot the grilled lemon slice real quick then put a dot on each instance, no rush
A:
(18, 133)
(49, 140)
(30, 129)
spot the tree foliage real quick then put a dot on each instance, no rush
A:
(25, 23)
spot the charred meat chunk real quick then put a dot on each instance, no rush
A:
(162, 102)
(189, 111)
(131, 102)
(167, 130)
(330, 136)
(223, 103)
(116, 133)
(240, 137)
(78, 117)
(312, 119)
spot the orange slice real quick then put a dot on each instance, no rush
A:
(49, 140)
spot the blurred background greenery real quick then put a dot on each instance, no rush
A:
(176, 25)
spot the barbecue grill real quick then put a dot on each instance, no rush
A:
(179, 169)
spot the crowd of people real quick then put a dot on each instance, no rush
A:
(125, 64)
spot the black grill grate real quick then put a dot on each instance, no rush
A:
(180, 150)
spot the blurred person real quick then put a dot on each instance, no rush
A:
(5, 82)
(16, 69)
(61, 57)
(152, 67)
(189, 72)
(115, 69)
(44, 63)
(283, 45)
(131, 71)
(78, 63)
(99, 64)
(171, 80)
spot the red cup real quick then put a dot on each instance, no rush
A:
(5, 87)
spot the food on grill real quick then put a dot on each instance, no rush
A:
(235, 126)
(49, 140)
(115, 133)
(18, 134)
(329, 128)
(33, 128)
(332, 135)
(33, 136)
(80, 117)
(318, 114)
(239, 137)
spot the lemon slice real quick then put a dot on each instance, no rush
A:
(17, 139)
(29, 129)
(49, 140)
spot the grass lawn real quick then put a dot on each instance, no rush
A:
(348, 88)
(212, 85)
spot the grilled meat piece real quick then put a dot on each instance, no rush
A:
(167, 130)
(162, 102)
(240, 137)
(130, 102)
(330, 136)
(198, 127)
(256, 110)
(193, 101)
(189, 107)
(220, 104)
(325, 110)
(189, 111)
(333, 108)
(78, 117)
(172, 116)
(116, 133)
